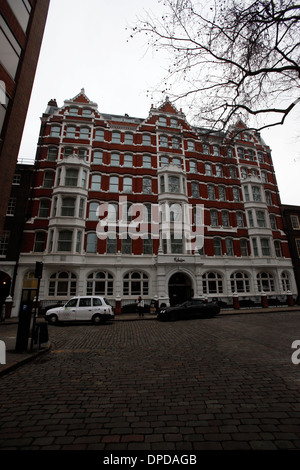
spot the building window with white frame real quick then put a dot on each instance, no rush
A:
(71, 131)
(163, 141)
(127, 185)
(212, 283)
(285, 281)
(39, 242)
(193, 166)
(91, 243)
(99, 135)
(147, 161)
(100, 283)
(116, 137)
(52, 154)
(147, 186)
(239, 282)
(11, 206)
(128, 160)
(114, 184)
(62, 284)
(71, 178)
(278, 251)
(128, 138)
(44, 208)
(146, 140)
(135, 283)
(48, 179)
(214, 218)
(244, 247)
(265, 282)
(217, 246)
(68, 207)
(55, 131)
(295, 222)
(229, 247)
(98, 157)
(211, 192)
(173, 184)
(65, 238)
(265, 247)
(96, 182)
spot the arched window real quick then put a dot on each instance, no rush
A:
(239, 282)
(135, 283)
(100, 283)
(62, 284)
(212, 283)
(265, 282)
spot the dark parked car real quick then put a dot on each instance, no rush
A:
(194, 308)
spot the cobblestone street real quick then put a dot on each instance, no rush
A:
(221, 383)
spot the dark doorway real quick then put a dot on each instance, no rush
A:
(180, 288)
(5, 284)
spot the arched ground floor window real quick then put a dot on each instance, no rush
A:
(100, 283)
(62, 284)
(135, 283)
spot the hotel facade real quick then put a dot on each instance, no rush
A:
(123, 206)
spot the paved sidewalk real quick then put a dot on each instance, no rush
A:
(9, 328)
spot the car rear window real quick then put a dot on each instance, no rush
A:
(97, 302)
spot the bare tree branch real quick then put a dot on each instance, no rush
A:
(230, 58)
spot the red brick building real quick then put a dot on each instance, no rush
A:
(116, 199)
(21, 29)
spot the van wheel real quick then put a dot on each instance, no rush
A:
(97, 320)
(53, 320)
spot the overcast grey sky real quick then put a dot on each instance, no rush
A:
(86, 45)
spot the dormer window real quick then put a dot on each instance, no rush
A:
(86, 112)
(73, 111)
(162, 120)
(174, 122)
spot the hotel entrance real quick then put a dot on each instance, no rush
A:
(180, 288)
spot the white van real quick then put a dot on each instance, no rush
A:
(85, 308)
